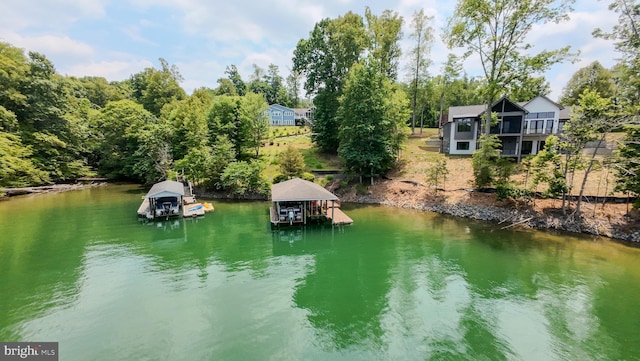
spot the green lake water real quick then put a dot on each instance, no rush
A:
(79, 269)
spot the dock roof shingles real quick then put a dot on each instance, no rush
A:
(297, 189)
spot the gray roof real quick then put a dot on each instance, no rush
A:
(565, 113)
(466, 111)
(166, 188)
(297, 189)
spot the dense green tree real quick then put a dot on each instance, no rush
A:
(223, 118)
(242, 120)
(222, 155)
(188, 118)
(593, 77)
(117, 128)
(276, 92)
(14, 69)
(99, 91)
(225, 87)
(525, 88)
(16, 167)
(196, 165)
(243, 177)
(154, 88)
(372, 118)
(153, 157)
(485, 160)
(325, 59)
(496, 32)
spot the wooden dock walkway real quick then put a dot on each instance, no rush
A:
(143, 210)
(339, 217)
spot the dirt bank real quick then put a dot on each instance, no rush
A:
(610, 220)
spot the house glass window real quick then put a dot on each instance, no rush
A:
(464, 125)
(462, 146)
(561, 126)
(549, 126)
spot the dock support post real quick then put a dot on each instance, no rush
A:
(333, 211)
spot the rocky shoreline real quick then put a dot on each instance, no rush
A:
(471, 205)
(505, 215)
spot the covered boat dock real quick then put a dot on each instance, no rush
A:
(171, 199)
(298, 201)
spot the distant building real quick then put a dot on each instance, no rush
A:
(281, 115)
(522, 127)
(304, 116)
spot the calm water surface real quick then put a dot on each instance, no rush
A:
(78, 268)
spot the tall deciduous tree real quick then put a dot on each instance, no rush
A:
(223, 118)
(188, 119)
(385, 33)
(626, 33)
(252, 113)
(495, 32)
(293, 82)
(325, 59)
(627, 30)
(236, 79)
(154, 88)
(422, 35)
(593, 77)
(16, 167)
(372, 117)
(117, 127)
(592, 120)
(526, 87)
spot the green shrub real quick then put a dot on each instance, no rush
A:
(507, 190)
(280, 178)
(308, 176)
(329, 177)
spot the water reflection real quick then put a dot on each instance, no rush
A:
(395, 285)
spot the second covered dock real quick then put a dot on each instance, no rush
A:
(298, 201)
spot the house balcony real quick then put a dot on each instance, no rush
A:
(538, 131)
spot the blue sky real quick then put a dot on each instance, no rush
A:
(115, 39)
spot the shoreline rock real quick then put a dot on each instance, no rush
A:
(504, 216)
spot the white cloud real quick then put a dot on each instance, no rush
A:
(52, 14)
(51, 45)
(205, 37)
(111, 70)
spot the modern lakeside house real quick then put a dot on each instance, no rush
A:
(523, 127)
(281, 115)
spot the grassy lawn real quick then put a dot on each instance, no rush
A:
(416, 158)
(312, 157)
(287, 131)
